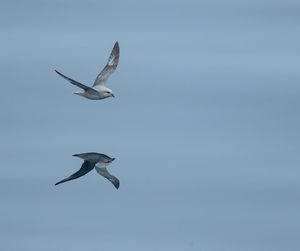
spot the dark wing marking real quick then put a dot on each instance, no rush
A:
(82, 86)
(85, 168)
(103, 171)
(110, 67)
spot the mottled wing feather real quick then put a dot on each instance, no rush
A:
(85, 168)
(110, 67)
(103, 171)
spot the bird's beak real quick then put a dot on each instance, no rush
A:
(112, 95)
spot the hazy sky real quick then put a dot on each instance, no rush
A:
(204, 126)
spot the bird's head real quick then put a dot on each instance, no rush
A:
(108, 93)
(111, 160)
(106, 159)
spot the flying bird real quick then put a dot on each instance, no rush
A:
(91, 160)
(98, 90)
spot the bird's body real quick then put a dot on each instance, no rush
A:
(98, 90)
(93, 160)
(101, 93)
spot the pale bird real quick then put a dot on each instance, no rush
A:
(99, 90)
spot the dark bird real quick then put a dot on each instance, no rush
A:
(91, 160)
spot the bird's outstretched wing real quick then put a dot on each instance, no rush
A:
(85, 168)
(82, 86)
(110, 67)
(103, 171)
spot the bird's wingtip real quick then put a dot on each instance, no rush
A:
(57, 72)
(117, 184)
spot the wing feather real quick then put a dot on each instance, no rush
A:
(110, 67)
(103, 172)
(82, 86)
(85, 168)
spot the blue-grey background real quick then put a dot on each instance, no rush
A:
(204, 126)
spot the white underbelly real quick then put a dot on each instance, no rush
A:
(90, 95)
